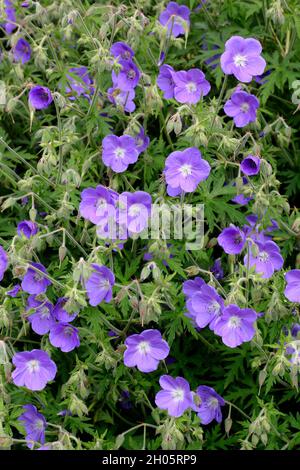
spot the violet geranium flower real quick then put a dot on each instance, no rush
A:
(34, 369)
(119, 152)
(184, 170)
(210, 406)
(292, 290)
(99, 285)
(3, 262)
(122, 98)
(192, 287)
(10, 15)
(34, 282)
(176, 18)
(242, 58)
(165, 81)
(14, 291)
(121, 51)
(80, 83)
(64, 336)
(205, 307)
(265, 257)
(34, 424)
(135, 210)
(142, 141)
(97, 204)
(175, 397)
(42, 319)
(127, 77)
(22, 51)
(145, 350)
(27, 228)
(242, 106)
(40, 97)
(190, 86)
(250, 165)
(60, 313)
(232, 239)
(236, 325)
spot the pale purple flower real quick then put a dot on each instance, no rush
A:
(40, 97)
(27, 228)
(99, 285)
(184, 170)
(176, 18)
(242, 106)
(97, 204)
(22, 51)
(142, 141)
(14, 291)
(205, 307)
(119, 152)
(122, 98)
(10, 16)
(210, 405)
(145, 350)
(175, 397)
(34, 424)
(250, 165)
(34, 282)
(3, 262)
(122, 51)
(236, 325)
(165, 81)
(127, 77)
(80, 83)
(292, 290)
(232, 239)
(192, 287)
(42, 319)
(64, 336)
(265, 257)
(190, 86)
(34, 369)
(60, 313)
(134, 211)
(217, 269)
(242, 58)
(261, 79)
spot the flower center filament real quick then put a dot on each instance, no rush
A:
(178, 394)
(144, 347)
(245, 107)
(240, 60)
(191, 87)
(186, 170)
(119, 152)
(263, 256)
(33, 365)
(234, 321)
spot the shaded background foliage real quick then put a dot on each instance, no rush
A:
(106, 398)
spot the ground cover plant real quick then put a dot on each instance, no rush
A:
(111, 340)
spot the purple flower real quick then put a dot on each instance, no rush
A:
(34, 424)
(3, 262)
(42, 319)
(122, 51)
(292, 290)
(64, 336)
(205, 307)
(266, 258)
(210, 405)
(27, 228)
(165, 81)
(60, 313)
(242, 58)
(217, 269)
(34, 282)
(175, 397)
(80, 83)
(190, 86)
(124, 400)
(128, 77)
(232, 239)
(176, 18)
(14, 291)
(145, 350)
(236, 325)
(185, 170)
(142, 141)
(22, 51)
(250, 165)
(34, 369)
(242, 107)
(261, 79)
(97, 204)
(122, 98)
(10, 14)
(40, 97)
(119, 152)
(135, 210)
(99, 285)
(192, 287)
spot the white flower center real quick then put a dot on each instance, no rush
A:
(234, 321)
(178, 394)
(44, 312)
(186, 170)
(214, 307)
(39, 424)
(240, 60)
(245, 107)
(144, 347)
(33, 365)
(191, 87)
(213, 403)
(263, 256)
(119, 152)
(135, 209)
